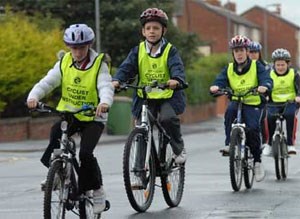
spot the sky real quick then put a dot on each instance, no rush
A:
(289, 8)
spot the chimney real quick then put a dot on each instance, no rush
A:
(214, 2)
(231, 6)
(278, 9)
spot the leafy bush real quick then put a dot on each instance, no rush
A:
(27, 53)
(201, 75)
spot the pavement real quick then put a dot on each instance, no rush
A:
(40, 145)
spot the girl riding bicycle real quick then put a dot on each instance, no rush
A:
(84, 78)
(157, 59)
(286, 88)
(241, 75)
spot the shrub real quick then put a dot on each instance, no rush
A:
(201, 75)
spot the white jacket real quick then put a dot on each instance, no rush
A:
(53, 79)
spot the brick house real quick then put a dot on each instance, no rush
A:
(215, 24)
(277, 32)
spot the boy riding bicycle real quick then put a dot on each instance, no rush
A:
(241, 75)
(157, 59)
(84, 78)
(286, 88)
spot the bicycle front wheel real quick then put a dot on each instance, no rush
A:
(54, 206)
(235, 160)
(139, 177)
(172, 177)
(277, 156)
(248, 168)
(284, 158)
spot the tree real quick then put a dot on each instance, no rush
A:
(27, 53)
(119, 22)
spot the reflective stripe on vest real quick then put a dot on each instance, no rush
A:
(154, 68)
(242, 83)
(79, 87)
(283, 86)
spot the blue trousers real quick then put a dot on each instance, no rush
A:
(290, 118)
(251, 116)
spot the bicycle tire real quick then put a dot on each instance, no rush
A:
(284, 159)
(54, 190)
(172, 177)
(140, 198)
(235, 161)
(248, 169)
(277, 154)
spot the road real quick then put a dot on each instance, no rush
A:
(207, 194)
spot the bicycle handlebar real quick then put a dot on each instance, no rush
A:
(44, 108)
(230, 93)
(148, 88)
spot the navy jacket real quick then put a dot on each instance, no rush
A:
(128, 71)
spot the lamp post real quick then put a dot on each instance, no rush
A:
(97, 24)
(266, 29)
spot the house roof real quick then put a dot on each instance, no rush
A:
(271, 14)
(227, 14)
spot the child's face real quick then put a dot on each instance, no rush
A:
(79, 52)
(240, 55)
(152, 31)
(281, 66)
(254, 55)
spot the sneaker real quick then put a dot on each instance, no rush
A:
(137, 184)
(225, 150)
(99, 200)
(267, 150)
(291, 149)
(181, 158)
(259, 171)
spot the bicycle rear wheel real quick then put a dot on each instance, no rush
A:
(54, 206)
(248, 168)
(235, 160)
(277, 156)
(172, 177)
(139, 178)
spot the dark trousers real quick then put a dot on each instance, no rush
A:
(290, 118)
(90, 177)
(251, 117)
(170, 121)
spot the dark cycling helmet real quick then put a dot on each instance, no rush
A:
(154, 14)
(255, 46)
(281, 54)
(239, 41)
(79, 34)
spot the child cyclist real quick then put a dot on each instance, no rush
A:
(255, 54)
(157, 59)
(84, 72)
(242, 74)
(286, 88)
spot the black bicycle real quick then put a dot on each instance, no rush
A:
(61, 191)
(279, 143)
(147, 155)
(241, 162)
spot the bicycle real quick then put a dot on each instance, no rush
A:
(146, 157)
(241, 161)
(61, 191)
(279, 144)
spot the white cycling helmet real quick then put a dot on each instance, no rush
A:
(281, 54)
(79, 34)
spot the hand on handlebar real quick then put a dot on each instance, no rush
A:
(214, 89)
(32, 103)
(102, 108)
(262, 89)
(172, 84)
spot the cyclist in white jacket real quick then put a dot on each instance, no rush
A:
(84, 78)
